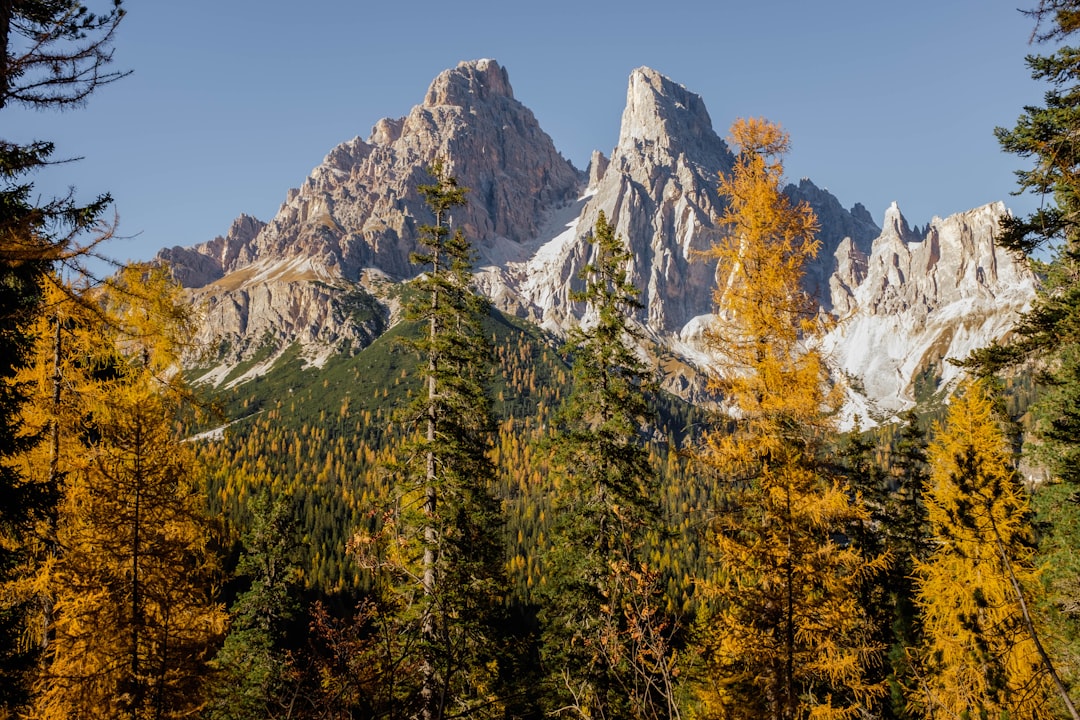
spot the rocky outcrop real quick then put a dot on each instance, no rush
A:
(203, 264)
(920, 299)
(658, 190)
(845, 236)
(360, 209)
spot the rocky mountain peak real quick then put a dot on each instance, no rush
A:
(895, 226)
(905, 300)
(662, 112)
(470, 81)
(211, 260)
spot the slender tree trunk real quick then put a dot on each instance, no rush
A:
(431, 535)
(163, 667)
(789, 619)
(6, 8)
(53, 543)
(54, 431)
(136, 615)
(1063, 693)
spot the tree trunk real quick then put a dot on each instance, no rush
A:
(429, 691)
(1063, 693)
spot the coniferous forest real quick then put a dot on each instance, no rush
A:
(469, 517)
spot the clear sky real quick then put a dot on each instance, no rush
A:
(231, 102)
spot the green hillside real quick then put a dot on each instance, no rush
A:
(319, 435)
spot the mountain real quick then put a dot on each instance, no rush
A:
(919, 299)
(323, 272)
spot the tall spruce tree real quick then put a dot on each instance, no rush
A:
(1049, 333)
(783, 634)
(252, 669)
(607, 642)
(1046, 341)
(439, 552)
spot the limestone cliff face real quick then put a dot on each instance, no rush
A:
(658, 190)
(846, 237)
(360, 208)
(320, 272)
(919, 299)
(203, 264)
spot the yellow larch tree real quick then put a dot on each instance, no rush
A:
(981, 655)
(126, 619)
(784, 635)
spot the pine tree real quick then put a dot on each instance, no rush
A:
(438, 551)
(251, 670)
(53, 53)
(1046, 341)
(607, 638)
(783, 635)
(907, 537)
(1049, 333)
(981, 656)
(128, 619)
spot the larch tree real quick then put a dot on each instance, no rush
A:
(129, 617)
(438, 551)
(53, 53)
(981, 655)
(783, 635)
(607, 635)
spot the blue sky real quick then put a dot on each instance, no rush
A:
(232, 102)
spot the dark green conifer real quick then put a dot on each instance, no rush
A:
(1049, 334)
(1047, 339)
(607, 643)
(251, 671)
(439, 551)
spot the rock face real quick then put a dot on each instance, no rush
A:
(904, 300)
(205, 263)
(659, 192)
(919, 299)
(359, 209)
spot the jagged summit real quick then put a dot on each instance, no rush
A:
(471, 81)
(895, 226)
(661, 112)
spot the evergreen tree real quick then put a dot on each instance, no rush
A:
(1050, 332)
(908, 540)
(252, 677)
(890, 479)
(52, 53)
(1046, 341)
(981, 656)
(439, 550)
(783, 634)
(607, 643)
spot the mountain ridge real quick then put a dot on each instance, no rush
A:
(355, 219)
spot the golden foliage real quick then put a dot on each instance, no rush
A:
(784, 635)
(978, 658)
(125, 617)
